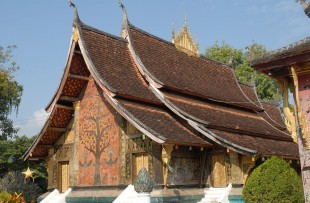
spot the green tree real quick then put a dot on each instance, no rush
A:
(10, 92)
(239, 59)
(273, 181)
(11, 152)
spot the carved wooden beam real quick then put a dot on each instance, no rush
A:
(79, 77)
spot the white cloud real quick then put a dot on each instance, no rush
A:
(32, 125)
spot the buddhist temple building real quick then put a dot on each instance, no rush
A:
(136, 100)
(290, 66)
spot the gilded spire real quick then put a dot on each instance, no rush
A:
(184, 41)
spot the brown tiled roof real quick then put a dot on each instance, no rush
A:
(273, 115)
(219, 116)
(194, 75)
(265, 147)
(250, 93)
(113, 62)
(163, 122)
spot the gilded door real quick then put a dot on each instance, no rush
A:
(63, 176)
(139, 161)
(219, 178)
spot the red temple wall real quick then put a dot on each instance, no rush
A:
(304, 97)
(98, 140)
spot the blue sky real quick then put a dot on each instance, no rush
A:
(42, 29)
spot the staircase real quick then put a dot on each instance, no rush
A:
(129, 195)
(216, 195)
(56, 197)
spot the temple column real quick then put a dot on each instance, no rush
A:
(302, 137)
(74, 169)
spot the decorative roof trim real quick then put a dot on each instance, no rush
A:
(227, 143)
(259, 108)
(196, 125)
(275, 122)
(57, 94)
(275, 54)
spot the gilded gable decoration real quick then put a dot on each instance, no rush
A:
(183, 40)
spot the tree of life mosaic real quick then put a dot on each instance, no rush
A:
(98, 143)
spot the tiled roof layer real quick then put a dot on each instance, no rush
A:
(181, 72)
(113, 62)
(220, 116)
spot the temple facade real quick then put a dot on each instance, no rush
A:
(136, 101)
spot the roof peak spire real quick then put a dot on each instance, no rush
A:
(184, 41)
(124, 32)
(76, 15)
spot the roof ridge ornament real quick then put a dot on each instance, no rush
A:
(76, 15)
(124, 32)
(306, 6)
(184, 41)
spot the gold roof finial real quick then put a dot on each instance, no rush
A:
(184, 41)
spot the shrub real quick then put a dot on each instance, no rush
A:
(273, 181)
(14, 183)
(8, 198)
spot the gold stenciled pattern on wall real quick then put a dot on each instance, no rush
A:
(140, 144)
(64, 153)
(122, 152)
(67, 137)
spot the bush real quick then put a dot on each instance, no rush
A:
(8, 198)
(14, 183)
(273, 181)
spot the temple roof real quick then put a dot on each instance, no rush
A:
(192, 75)
(275, 62)
(166, 94)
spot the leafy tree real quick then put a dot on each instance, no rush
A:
(10, 92)
(239, 59)
(11, 152)
(273, 181)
